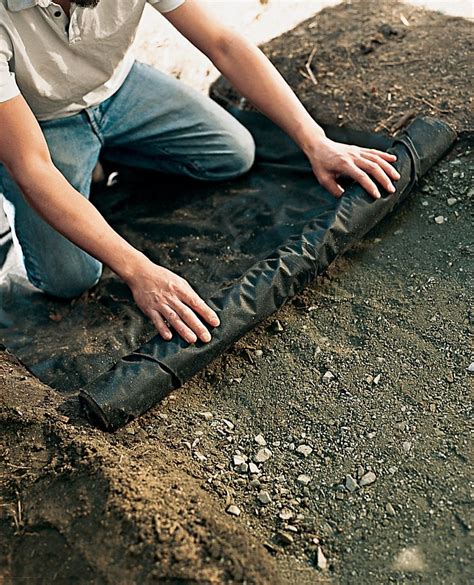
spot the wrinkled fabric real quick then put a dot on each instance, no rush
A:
(247, 245)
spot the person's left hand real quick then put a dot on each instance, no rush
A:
(331, 159)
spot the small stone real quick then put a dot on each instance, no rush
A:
(276, 327)
(321, 560)
(239, 459)
(206, 415)
(392, 470)
(234, 510)
(470, 368)
(450, 377)
(368, 478)
(351, 484)
(264, 497)
(377, 379)
(304, 450)
(286, 514)
(284, 537)
(242, 468)
(410, 560)
(258, 353)
(303, 479)
(259, 439)
(230, 425)
(254, 470)
(328, 376)
(255, 483)
(439, 219)
(452, 201)
(390, 509)
(406, 446)
(262, 455)
(199, 456)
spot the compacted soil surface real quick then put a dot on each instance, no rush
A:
(330, 445)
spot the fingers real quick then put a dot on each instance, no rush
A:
(384, 155)
(331, 185)
(190, 319)
(377, 172)
(178, 324)
(194, 301)
(364, 180)
(389, 169)
(160, 325)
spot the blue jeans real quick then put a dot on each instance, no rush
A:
(153, 121)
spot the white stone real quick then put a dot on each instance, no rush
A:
(368, 478)
(303, 479)
(259, 439)
(234, 510)
(263, 455)
(304, 450)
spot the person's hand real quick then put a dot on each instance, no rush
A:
(331, 159)
(169, 301)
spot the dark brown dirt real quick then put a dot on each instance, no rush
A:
(147, 504)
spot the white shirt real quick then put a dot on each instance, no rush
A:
(63, 65)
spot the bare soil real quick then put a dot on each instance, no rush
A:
(391, 320)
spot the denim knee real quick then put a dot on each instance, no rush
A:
(243, 157)
(69, 282)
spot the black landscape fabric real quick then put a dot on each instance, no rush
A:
(246, 245)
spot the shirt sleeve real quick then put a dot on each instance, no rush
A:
(166, 5)
(8, 87)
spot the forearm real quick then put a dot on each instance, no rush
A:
(254, 76)
(71, 214)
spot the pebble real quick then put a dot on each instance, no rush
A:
(230, 425)
(351, 483)
(264, 497)
(303, 479)
(377, 379)
(286, 514)
(368, 478)
(206, 415)
(390, 509)
(254, 469)
(234, 510)
(406, 446)
(452, 201)
(284, 537)
(276, 327)
(262, 455)
(259, 439)
(439, 219)
(470, 368)
(328, 376)
(239, 459)
(242, 468)
(258, 352)
(304, 450)
(321, 560)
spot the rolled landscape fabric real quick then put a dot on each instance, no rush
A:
(144, 377)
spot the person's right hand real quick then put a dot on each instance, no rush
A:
(169, 301)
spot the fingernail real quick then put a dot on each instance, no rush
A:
(206, 337)
(191, 339)
(391, 189)
(168, 336)
(216, 322)
(376, 195)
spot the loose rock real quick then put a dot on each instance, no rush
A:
(328, 376)
(439, 219)
(303, 479)
(368, 478)
(264, 497)
(234, 510)
(304, 450)
(351, 483)
(259, 439)
(262, 455)
(321, 560)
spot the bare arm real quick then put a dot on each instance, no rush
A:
(256, 78)
(158, 292)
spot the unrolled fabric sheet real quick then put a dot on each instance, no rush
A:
(246, 245)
